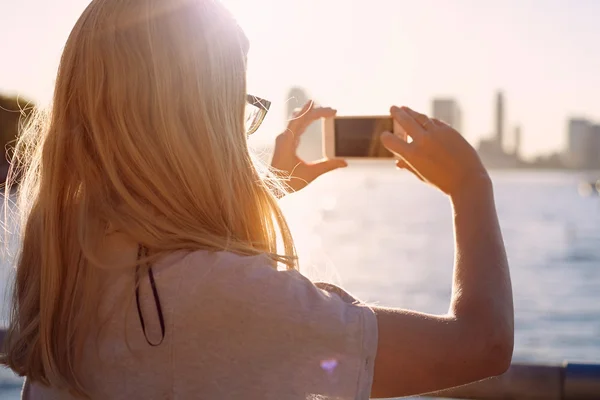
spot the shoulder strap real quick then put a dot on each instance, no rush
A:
(143, 251)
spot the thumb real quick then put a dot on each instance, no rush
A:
(322, 166)
(396, 145)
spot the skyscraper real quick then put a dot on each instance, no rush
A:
(447, 110)
(492, 150)
(517, 149)
(500, 119)
(583, 144)
(310, 147)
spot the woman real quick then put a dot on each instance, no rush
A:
(148, 266)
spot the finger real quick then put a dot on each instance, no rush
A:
(295, 126)
(438, 122)
(311, 116)
(422, 119)
(396, 145)
(321, 112)
(286, 137)
(320, 167)
(410, 125)
(299, 113)
(402, 164)
(316, 113)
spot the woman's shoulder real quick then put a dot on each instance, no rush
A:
(253, 280)
(197, 263)
(223, 274)
(218, 263)
(232, 273)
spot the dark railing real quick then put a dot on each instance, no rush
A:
(534, 382)
(527, 382)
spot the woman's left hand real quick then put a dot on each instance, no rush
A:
(286, 161)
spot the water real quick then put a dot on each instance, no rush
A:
(387, 238)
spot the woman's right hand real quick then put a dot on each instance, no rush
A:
(438, 154)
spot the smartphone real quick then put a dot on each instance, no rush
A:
(358, 137)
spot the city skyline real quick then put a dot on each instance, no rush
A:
(365, 71)
(581, 152)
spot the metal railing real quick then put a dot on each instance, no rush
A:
(569, 381)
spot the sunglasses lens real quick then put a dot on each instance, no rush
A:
(253, 117)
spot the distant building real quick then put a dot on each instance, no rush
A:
(491, 150)
(493, 156)
(447, 110)
(311, 142)
(517, 148)
(596, 144)
(500, 119)
(584, 144)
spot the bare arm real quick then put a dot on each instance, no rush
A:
(420, 353)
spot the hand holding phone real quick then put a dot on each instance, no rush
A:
(296, 172)
(438, 154)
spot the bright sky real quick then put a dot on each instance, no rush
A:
(362, 56)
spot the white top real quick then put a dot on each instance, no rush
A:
(236, 328)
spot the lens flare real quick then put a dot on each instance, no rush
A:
(329, 365)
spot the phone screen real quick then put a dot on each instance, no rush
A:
(359, 137)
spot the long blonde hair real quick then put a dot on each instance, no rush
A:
(146, 136)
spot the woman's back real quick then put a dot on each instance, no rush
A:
(234, 328)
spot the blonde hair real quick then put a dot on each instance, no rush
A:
(145, 135)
